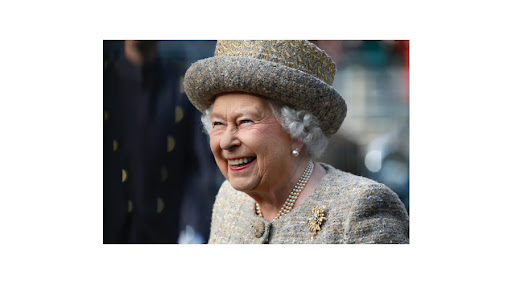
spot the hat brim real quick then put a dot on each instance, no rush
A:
(213, 76)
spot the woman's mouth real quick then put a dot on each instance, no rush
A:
(240, 164)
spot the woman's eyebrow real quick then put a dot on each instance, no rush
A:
(237, 113)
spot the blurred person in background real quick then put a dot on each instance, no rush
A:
(269, 109)
(154, 152)
(386, 157)
(374, 140)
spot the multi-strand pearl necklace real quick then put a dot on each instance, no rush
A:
(288, 205)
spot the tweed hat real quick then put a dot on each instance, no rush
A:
(294, 72)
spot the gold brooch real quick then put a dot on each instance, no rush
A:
(316, 221)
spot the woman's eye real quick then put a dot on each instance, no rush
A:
(217, 123)
(245, 121)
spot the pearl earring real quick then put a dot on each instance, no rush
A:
(295, 153)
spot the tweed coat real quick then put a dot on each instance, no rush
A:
(358, 210)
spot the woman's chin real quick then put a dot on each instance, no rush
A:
(238, 185)
(241, 184)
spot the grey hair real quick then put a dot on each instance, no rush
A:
(207, 120)
(300, 124)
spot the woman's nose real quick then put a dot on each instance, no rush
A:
(229, 139)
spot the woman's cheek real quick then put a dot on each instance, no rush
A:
(215, 148)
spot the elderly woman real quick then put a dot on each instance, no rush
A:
(269, 109)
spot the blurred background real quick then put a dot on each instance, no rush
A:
(176, 187)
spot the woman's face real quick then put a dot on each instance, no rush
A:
(250, 146)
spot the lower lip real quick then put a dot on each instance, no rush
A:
(237, 169)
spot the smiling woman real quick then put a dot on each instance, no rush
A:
(245, 128)
(269, 108)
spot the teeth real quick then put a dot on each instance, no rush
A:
(240, 161)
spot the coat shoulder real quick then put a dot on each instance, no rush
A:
(372, 212)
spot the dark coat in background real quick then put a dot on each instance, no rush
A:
(153, 151)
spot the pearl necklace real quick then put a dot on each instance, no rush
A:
(288, 205)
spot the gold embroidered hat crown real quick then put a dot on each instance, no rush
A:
(294, 72)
